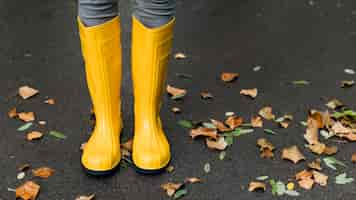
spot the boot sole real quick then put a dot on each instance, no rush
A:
(150, 171)
(101, 173)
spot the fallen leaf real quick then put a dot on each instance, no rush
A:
(176, 93)
(343, 179)
(266, 113)
(254, 185)
(171, 188)
(28, 191)
(219, 144)
(27, 116)
(330, 150)
(24, 167)
(57, 134)
(334, 104)
(176, 110)
(170, 169)
(305, 174)
(127, 145)
(263, 143)
(209, 132)
(185, 123)
(353, 158)
(349, 136)
(306, 183)
(320, 178)
(26, 92)
(43, 172)
(234, 121)
(229, 77)
(228, 114)
(206, 95)
(219, 125)
(284, 124)
(338, 128)
(179, 56)
(25, 126)
(50, 101)
(293, 154)
(347, 84)
(316, 164)
(249, 92)
(34, 135)
(331, 162)
(301, 82)
(266, 153)
(262, 178)
(180, 193)
(269, 131)
(90, 197)
(42, 123)
(313, 124)
(317, 148)
(256, 122)
(21, 175)
(192, 180)
(12, 113)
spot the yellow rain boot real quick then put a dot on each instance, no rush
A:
(150, 52)
(101, 49)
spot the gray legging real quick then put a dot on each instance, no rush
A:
(151, 13)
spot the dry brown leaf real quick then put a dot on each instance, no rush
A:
(316, 164)
(43, 172)
(330, 150)
(305, 174)
(266, 113)
(176, 110)
(171, 188)
(219, 144)
(176, 92)
(293, 154)
(334, 104)
(90, 197)
(27, 116)
(317, 148)
(284, 124)
(234, 121)
(192, 180)
(256, 122)
(34, 135)
(50, 101)
(26, 92)
(28, 191)
(338, 128)
(349, 136)
(206, 95)
(347, 84)
(266, 153)
(219, 125)
(12, 113)
(353, 158)
(320, 178)
(255, 185)
(24, 167)
(306, 183)
(249, 92)
(263, 143)
(201, 131)
(229, 77)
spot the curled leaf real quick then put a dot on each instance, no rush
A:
(256, 122)
(266, 113)
(90, 197)
(27, 116)
(320, 178)
(43, 172)
(254, 186)
(176, 110)
(316, 164)
(34, 135)
(233, 121)
(229, 77)
(206, 95)
(249, 92)
(208, 132)
(220, 126)
(179, 56)
(219, 144)
(171, 187)
(192, 180)
(176, 93)
(334, 104)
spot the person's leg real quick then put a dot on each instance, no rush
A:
(152, 35)
(99, 28)
(154, 13)
(95, 12)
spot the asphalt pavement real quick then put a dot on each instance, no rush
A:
(310, 40)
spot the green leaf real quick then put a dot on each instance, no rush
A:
(269, 131)
(272, 182)
(57, 134)
(332, 162)
(208, 125)
(349, 113)
(229, 140)
(222, 155)
(301, 82)
(262, 178)
(238, 132)
(207, 168)
(25, 126)
(185, 123)
(246, 131)
(342, 179)
(280, 119)
(180, 193)
(281, 188)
